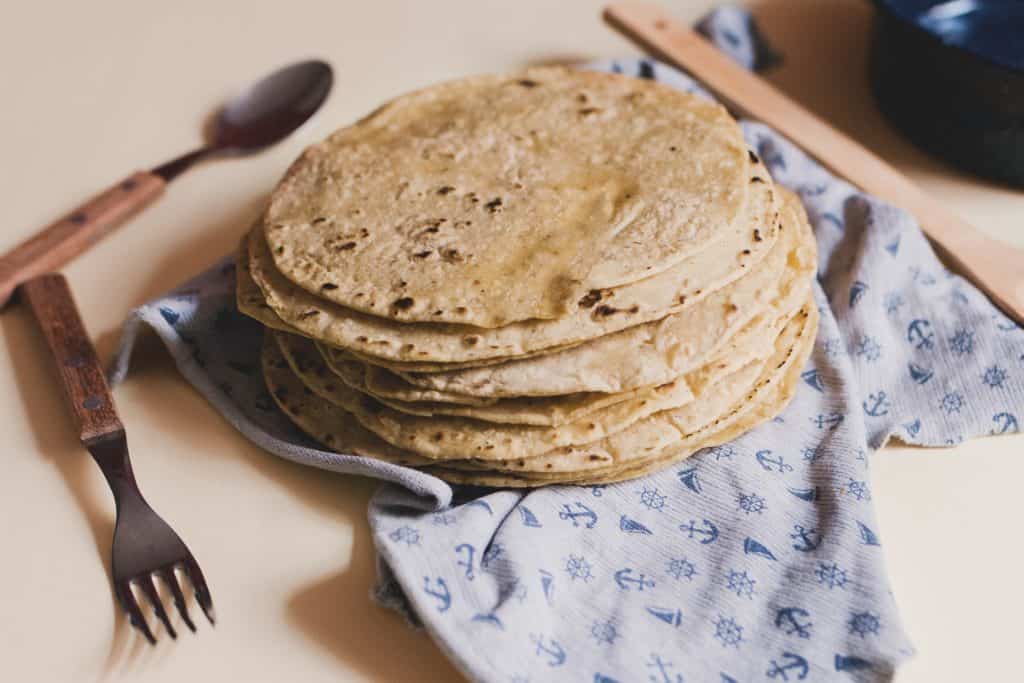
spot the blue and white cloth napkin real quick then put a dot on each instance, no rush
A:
(756, 560)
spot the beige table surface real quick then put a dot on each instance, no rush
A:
(94, 90)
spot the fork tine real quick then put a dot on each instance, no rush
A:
(195, 575)
(123, 589)
(167, 574)
(148, 587)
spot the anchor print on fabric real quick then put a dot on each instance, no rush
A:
(661, 671)
(549, 649)
(791, 664)
(728, 632)
(794, 621)
(601, 678)
(919, 334)
(805, 539)
(578, 569)
(913, 428)
(625, 580)
(828, 421)
(582, 515)
(681, 568)
(706, 532)
(752, 547)
(631, 526)
(772, 464)
(438, 589)
(597, 490)
(877, 404)
(672, 617)
(466, 553)
(689, 479)
(1005, 424)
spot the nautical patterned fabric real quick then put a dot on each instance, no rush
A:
(756, 560)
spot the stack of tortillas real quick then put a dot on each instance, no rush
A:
(554, 276)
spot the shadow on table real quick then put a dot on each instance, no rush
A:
(40, 392)
(338, 613)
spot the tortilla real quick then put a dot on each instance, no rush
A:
(598, 313)
(655, 352)
(463, 202)
(451, 438)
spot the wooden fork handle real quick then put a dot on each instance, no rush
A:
(85, 385)
(60, 242)
(995, 267)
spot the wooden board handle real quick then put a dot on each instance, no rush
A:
(85, 385)
(995, 267)
(60, 242)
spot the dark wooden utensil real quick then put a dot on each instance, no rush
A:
(262, 115)
(145, 547)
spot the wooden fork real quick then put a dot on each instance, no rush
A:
(145, 547)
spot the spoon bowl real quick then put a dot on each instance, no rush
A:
(271, 109)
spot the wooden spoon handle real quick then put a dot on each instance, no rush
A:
(85, 385)
(995, 267)
(60, 242)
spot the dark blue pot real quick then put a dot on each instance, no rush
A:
(950, 75)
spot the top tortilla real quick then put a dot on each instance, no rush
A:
(598, 313)
(497, 199)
